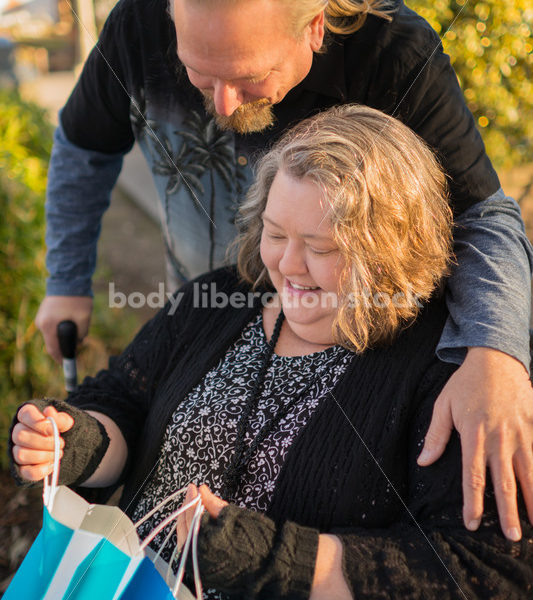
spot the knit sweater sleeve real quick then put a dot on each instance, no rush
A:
(429, 553)
(124, 391)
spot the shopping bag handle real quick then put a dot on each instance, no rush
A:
(51, 480)
(159, 506)
(172, 517)
(192, 536)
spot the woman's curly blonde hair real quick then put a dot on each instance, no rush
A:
(389, 215)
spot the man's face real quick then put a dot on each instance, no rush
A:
(243, 56)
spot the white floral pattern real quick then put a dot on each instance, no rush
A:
(200, 437)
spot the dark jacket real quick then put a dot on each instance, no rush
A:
(398, 67)
(352, 469)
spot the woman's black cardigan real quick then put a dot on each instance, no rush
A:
(352, 469)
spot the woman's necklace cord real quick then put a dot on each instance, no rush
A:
(233, 472)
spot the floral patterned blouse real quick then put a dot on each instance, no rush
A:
(200, 436)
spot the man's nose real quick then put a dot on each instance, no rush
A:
(227, 98)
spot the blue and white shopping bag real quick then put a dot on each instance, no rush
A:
(86, 551)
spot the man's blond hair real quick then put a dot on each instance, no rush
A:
(341, 16)
(388, 211)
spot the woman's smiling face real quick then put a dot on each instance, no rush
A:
(301, 256)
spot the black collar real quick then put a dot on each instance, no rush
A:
(326, 76)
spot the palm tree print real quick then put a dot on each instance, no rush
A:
(179, 168)
(203, 148)
(213, 150)
(140, 123)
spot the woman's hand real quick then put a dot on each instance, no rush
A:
(213, 504)
(33, 440)
(247, 542)
(489, 400)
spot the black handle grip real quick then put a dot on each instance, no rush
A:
(67, 333)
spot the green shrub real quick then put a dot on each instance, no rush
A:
(490, 46)
(25, 141)
(26, 370)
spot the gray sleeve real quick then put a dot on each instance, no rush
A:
(78, 193)
(489, 290)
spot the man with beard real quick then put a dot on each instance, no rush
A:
(204, 85)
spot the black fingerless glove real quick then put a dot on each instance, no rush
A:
(85, 444)
(244, 553)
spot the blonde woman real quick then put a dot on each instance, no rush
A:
(297, 389)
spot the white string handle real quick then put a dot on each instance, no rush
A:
(172, 558)
(192, 535)
(172, 517)
(50, 481)
(164, 544)
(195, 526)
(159, 506)
(196, 569)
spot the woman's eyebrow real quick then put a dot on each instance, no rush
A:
(272, 222)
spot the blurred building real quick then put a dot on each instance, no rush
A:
(44, 32)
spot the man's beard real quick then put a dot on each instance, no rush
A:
(247, 118)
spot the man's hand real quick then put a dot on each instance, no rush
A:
(33, 439)
(55, 309)
(489, 400)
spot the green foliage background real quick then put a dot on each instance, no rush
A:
(25, 142)
(26, 371)
(490, 44)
